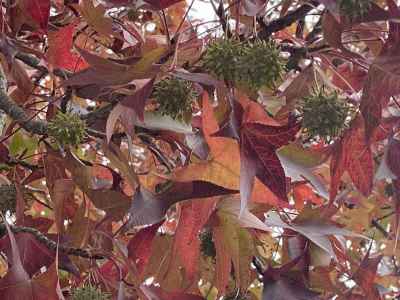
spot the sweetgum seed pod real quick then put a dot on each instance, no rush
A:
(260, 65)
(325, 115)
(89, 293)
(221, 59)
(67, 129)
(175, 98)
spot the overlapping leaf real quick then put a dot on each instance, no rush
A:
(353, 154)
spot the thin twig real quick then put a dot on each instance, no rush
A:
(276, 25)
(52, 245)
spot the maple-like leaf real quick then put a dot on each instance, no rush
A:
(349, 77)
(105, 72)
(148, 208)
(59, 53)
(280, 285)
(18, 285)
(383, 79)
(366, 274)
(192, 218)
(40, 11)
(353, 154)
(313, 227)
(114, 203)
(237, 243)
(34, 255)
(156, 293)
(219, 168)
(259, 143)
(285, 288)
(139, 247)
(161, 4)
(133, 105)
(96, 17)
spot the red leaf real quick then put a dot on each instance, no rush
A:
(223, 261)
(393, 157)
(155, 293)
(148, 208)
(59, 54)
(33, 254)
(382, 82)
(302, 192)
(161, 4)
(139, 247)
(366, 274)
(352, 154)
(137, 101)
(259, 143)
(17, 285)
(186, 243)
(351, 75)
(39, 10)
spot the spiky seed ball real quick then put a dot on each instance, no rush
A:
(207, 245)
(221, 58)
(325, 115)
(175, 98)
(67, 129)
(8, 196)
(354, 8)
(260, 64)
(89, 293)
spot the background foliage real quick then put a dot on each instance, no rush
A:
(249, 150)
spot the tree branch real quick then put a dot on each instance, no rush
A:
(52, 245)
(34, 62)
(276, 25)
(17, 113)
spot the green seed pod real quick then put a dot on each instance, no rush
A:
(260, 65)
(354, 8)
(207, 245)
(221, 59)
(89, 293)
(8, 196)
(325, 115)
(175, 98)
(67, 129)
